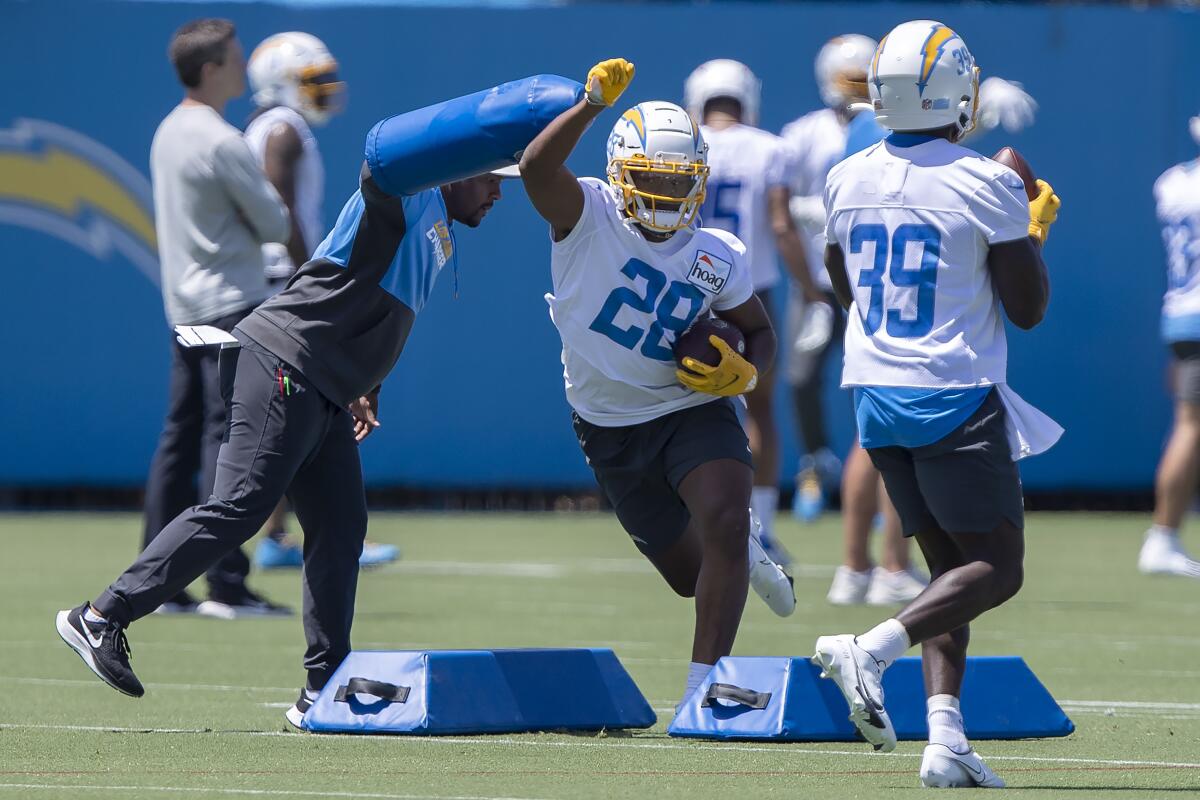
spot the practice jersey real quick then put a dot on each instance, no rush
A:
(744, 164)
(1177, 195)
(914, 217)
(310, 184)
(620, 301)
(815, 143)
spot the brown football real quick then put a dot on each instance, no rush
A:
(1013, 160)
(694, 343)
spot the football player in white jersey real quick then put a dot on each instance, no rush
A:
(925, 240)
(747, 195)
(296, 88)
(1177, 196)
(630, 272)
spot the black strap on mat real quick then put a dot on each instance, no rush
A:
(736, 694)
(384, 691)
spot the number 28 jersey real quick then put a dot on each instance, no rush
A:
(620, 302)
(915, 217)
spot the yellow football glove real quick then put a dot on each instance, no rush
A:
(1043, 210)
(607, 80)
(733, 376)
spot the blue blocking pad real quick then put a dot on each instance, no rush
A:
(478, 691)
(465, 136)
(785, 699)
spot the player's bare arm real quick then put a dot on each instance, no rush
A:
(787, 241)
(552, 188)
(835, 265)
(280, 161)
(752, 320)
(1017, 269)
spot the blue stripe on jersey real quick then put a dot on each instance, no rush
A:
(1184, 328)
(900, 139)
(912, 417)
(427, 246)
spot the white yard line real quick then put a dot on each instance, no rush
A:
(251, 792)
(781, 749)
(214, 687)
(1154, 706)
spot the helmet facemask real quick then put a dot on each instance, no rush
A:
(320, 92)
(663, 195)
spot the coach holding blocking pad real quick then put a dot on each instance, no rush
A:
(304, 389)
(213, 210)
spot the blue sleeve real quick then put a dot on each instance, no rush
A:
(862, 132)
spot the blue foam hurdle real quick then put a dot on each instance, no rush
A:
(478, 691)
(785, 699)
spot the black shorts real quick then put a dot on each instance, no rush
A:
(640, 467)
(1187, 371)
(966, 482)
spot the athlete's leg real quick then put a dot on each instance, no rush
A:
(764, 443)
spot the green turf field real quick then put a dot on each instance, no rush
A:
(1120, 651)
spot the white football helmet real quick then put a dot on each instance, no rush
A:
(842, 69)
(923, 77)
(723, 77)
(296, 70)
(657, 160)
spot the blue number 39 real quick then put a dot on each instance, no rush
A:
(664, 311)
(924, 278)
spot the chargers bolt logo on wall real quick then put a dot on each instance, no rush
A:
(709, 272)
(60, 182)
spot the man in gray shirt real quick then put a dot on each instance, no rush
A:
(214, 209)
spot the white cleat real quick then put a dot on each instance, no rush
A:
(895, 588)
(770, 582)
(943, 768)
(857, 674)
(849, 588)
(1162, 554)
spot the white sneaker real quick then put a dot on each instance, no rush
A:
(894, 588)
(295, 714)
(1162, 554)
(857, 674)
(849, 588)
(943, 768)
(770, 582)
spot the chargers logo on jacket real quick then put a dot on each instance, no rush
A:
(57, 181)
(442, 244)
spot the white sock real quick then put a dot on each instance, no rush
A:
(1163, 530)
(886, 642)
(91, 616)
(764, 502)
(946, 722)
(697, 672)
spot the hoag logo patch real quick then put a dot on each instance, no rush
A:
(709, 272)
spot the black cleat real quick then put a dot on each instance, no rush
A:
(240, 603)
(102, 646)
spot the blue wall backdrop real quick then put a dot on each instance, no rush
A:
(83, 385)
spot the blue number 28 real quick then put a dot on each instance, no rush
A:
(924, 278)
(664, 310)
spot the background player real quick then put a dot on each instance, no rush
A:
(296, 87)
(747, 195)
(1177, 195)
(925, 240)
(213, 212)
(666, 446)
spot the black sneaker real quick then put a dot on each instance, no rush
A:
(295, 714)
(102, 646)
(240, 603)
(182, 603)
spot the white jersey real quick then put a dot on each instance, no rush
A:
(744, 164)
(620, 301)
(1177, 196)
(310, 184)
(915, 224)
(815, 143)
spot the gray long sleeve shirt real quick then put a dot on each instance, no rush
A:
(214, 209)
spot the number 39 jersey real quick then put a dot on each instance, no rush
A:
(620, 301)
(744, 164)
(914, 217)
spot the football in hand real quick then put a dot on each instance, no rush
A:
(1013, 160)
(694, 343)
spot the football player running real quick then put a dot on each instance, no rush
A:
(630, 272)
(925, 240)
(747, 195)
